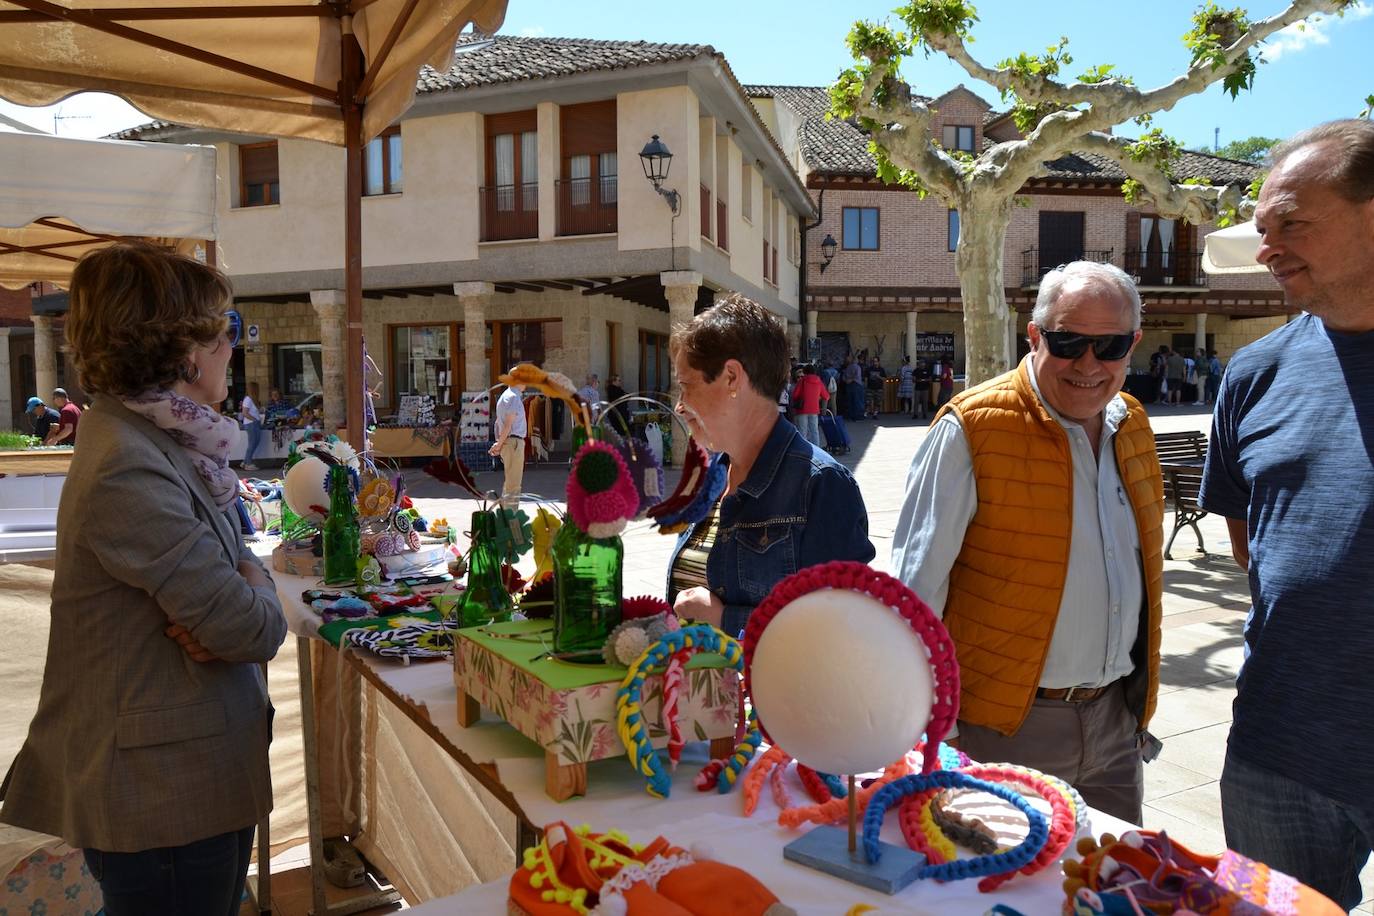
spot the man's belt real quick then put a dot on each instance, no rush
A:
(1072, 694)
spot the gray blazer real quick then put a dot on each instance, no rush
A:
(135, 745)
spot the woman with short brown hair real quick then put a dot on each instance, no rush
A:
(149, 747)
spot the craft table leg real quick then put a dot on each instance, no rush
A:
(319, 904)
(563, 781)
(722, 747)
(527, 836)
(469, 710)
(261, 886)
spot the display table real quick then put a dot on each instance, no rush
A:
(274, 445)
(435, 793)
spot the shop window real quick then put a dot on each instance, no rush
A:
(382, 172)
(297, 370)
(422, 362)
(259, 179)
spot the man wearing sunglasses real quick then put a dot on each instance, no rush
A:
(1033, 525)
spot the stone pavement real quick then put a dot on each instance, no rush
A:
(1206, 598)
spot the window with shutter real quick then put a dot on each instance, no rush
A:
(382, 163)
(259, 182)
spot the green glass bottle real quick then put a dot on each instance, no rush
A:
(587, 589)
(485, 599)
(341, 536)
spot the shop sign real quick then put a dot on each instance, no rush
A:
(934, 347)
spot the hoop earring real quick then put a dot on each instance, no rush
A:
(186, 375)
(734, 394)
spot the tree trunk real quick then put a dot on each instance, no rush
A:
(982, 234)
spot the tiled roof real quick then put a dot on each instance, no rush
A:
(839, 147)
(141, 131)
(487, 61)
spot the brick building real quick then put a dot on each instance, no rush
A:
(892, 286)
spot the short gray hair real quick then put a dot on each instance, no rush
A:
(1093, 273)
(1352, 139)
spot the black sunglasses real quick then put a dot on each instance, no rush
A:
(235, 329)
(1108, 348)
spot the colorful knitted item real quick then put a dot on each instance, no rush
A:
(601, 494)
(976, 867)
(857, 577)
(630, 724)
(1147, 869)
(576, 871)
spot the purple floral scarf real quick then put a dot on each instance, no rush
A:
(204, 434)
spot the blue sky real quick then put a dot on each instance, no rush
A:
(1314, 75)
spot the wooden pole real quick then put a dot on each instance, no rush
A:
(353, 234)
(853, 815)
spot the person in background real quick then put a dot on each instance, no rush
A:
(1288, 467)
(1159, 368)
(148, 750)
(853, 379)
(787, 504)
(309, 419)
(807, 397)
(907, 386)
(251, 418)
(1201, 372)
(510, 441)
(41, 418)
(1053, 602)
(946, 384)
(590, 390)
(70, 416)
(920, 383)
(614, 392)
(1214, 372)
(874, 376)
(278, 408)
(1175, 371)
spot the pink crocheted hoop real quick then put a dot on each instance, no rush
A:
(847, 575)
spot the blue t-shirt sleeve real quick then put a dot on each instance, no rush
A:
(1224, 489)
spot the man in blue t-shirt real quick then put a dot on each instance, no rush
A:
(1290, 468)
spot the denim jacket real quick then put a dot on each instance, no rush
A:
(798, 507)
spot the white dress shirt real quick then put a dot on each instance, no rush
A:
(1104, 590)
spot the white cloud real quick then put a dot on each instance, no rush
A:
(1313, 33)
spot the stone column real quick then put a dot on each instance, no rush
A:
(680, 286)
(812, 319)
(1200, 331)
(796, 344)
(911, 336)
(473, 298)
(44, 357)
(331, 306)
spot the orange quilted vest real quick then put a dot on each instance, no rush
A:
(1008, 580)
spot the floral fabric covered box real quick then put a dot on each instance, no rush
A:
(569, 709)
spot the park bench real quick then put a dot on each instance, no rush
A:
(1181, 457)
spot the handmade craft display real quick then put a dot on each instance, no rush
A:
(1147, 872)
(605, 874)
(486, 598)
(588, 555)
(699, 488)
(304, 489)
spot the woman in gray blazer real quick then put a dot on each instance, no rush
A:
(149, 747)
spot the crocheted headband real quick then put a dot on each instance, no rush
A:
(602, 497)
(857, 577)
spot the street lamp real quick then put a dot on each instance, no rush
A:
(657, 159)
(827, 251)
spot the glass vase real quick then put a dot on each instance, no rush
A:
(485, 600)
(340, 532)
(587, 589)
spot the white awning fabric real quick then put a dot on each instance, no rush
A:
(61, 197)
(1232, 250)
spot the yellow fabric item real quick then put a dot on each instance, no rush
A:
(1008, 580)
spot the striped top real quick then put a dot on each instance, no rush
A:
(690, 568)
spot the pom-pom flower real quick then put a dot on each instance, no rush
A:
(602, 497)
(643, 606)
(376, 498)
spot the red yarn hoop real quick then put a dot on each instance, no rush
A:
(847, 575)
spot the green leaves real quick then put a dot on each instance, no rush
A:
(1156, 148)
(890, 173)
(938, 17)
(1368, 107)
(1026, 68)
(1214, 30)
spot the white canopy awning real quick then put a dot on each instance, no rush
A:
(1232, 250)
(61, 197)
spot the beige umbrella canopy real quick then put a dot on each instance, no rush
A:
(61, 197)
(334, 70)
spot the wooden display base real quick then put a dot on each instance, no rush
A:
(570, 710)
(826, 849)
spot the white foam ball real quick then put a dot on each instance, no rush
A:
(304, 489)
(842, 682)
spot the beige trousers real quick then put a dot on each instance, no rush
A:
(513, 459)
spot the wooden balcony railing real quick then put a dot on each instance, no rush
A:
(586, 206)
(509, 212)
(1176, 268)
(705, 212)
(723, 225)
(1036, 262)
